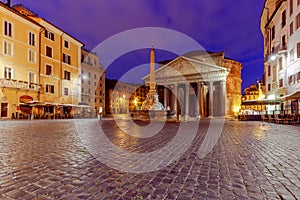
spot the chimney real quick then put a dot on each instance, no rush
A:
(8, 3)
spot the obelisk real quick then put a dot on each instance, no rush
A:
(152, 84)
(152, 102)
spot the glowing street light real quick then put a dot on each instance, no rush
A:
(273, 57)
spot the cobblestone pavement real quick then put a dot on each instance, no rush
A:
(47, 160)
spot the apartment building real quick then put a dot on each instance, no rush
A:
(121, 97)
(44, 79)
(280, 26)
(19, 61)
(254, 93)
(92, 83)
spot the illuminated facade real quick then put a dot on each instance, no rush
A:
(39, 63)
(92, 83)
(280, 26)
(214, 79)
(19, 62)
(252, 93)
(123, 97)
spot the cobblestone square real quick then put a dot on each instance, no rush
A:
(48, 159)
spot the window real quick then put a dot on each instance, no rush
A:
(273, 33)
(66, 44)
(67, 75)
(291, 7)
(269, 87)
(49, 35)
(31, 56)
(95, 76)
(66, 59)
(49, 51)
(298, 76)
(283, 42)
(7, 29)
(8, 73)
(48, 70)
(89, 74)
(281, 83)
(298, 21)
(31, 77)
(280, 63)
(298, 50)
(49, 88)
(291, 79)
(31, 39)
(269, 70)
(291, 55)
(283, 19)
(291, 28)
(8, 48)
(66, 91)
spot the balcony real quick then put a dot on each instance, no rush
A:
(281, 48)
(11, 83)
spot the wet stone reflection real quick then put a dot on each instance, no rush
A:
(47, 160)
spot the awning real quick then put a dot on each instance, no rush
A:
(261, 102)
(294, 96)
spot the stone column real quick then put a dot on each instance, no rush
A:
(222, 97)
(165, 96)
(198, 100)
(175, 95)
(211, 99)
(187, 101)
(202, 99)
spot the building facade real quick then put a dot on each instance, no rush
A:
(200, 84)
(92, 84)
(19, 68)
(44, 79)
(280, 26)
(254, 92)
(121, 97)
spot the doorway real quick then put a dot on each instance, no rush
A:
(4, 109)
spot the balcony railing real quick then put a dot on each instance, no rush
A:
(274, 51)
(11, 83)
(278, 48)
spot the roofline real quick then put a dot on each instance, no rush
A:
(274, 13)
(61, 30)
(31, 20)
(188, 59)
(19, 14)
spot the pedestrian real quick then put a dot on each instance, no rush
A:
(100, 113)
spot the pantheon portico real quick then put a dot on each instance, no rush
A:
(199, 84)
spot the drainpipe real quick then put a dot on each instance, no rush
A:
(61, 70)
(40, 61)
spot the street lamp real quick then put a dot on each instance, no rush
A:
(273, 57)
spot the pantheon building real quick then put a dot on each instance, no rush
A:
(199, 84)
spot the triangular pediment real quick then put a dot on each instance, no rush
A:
(187, 67)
